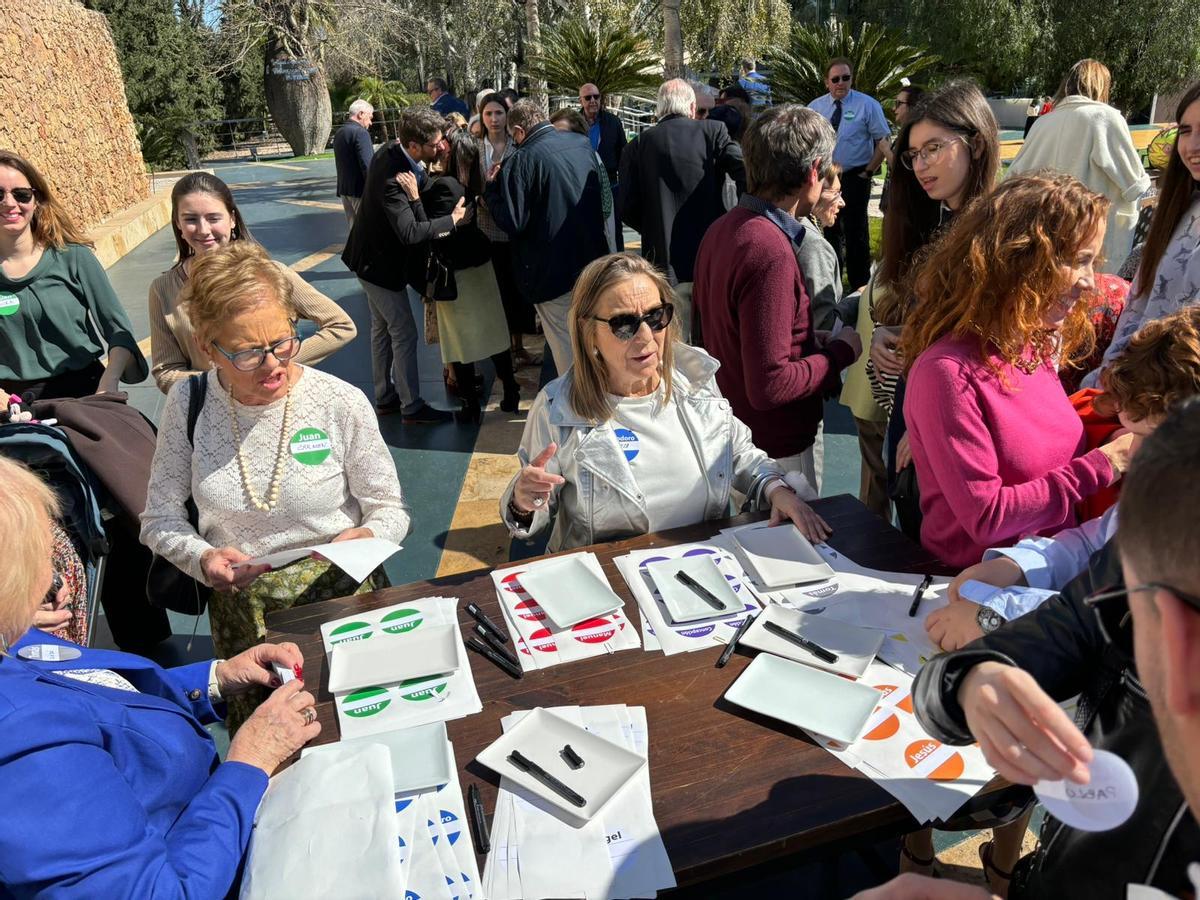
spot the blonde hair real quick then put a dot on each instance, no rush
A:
(589, 393)
(26, 507)
(51, 224)
(232, 280)
(1087, 78)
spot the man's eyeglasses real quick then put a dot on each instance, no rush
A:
(21, 195)
(930, 152)
(838, 79)
(1111, 607)
(627, 325)
(590, 97)
(250, 359)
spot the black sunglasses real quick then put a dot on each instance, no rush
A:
(21, 195)
(590, 97)
(627, 325)
(1111, 607)
(838, 79)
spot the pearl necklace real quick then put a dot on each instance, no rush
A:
(280, 456)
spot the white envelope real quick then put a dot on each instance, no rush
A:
(780, 556)
(426, 652)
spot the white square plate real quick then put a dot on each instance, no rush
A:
(569, 592)
(540, 737)
(855, 646)
(420, 756)
(805, 697)
(682, 603)
(780, 556)
(423, 653)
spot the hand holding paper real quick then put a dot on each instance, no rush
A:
(227, 568)
(358, 557)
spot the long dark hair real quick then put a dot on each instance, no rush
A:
(464, 161)
(204, 183)
(1174, 197)
(913, 216)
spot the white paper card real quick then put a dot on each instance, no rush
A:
(357, 558)
(1105, 802)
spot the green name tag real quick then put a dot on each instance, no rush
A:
(9, 304)
(310, 446)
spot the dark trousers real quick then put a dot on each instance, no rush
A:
(517, 312)
(850, 236)
(78, 383)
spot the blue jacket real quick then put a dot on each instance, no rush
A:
(110, 793)
(448, 103)
(352, 152)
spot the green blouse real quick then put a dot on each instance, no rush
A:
(49, 318)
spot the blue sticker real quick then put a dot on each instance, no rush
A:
(433, 832)
(628, 441)
(402, 805)
(451, 826)
(411, 895)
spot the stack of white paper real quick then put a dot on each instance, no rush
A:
(619, 854)
(358, 558)
(539, 642)
(931, 779)
(418, 701)
(658, 632)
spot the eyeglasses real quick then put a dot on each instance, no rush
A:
(831, 196)
(930, 152)
(838, 79)
(627, 325)
(590, 97)
(1111, 606)
(250, 359)
(21, 195)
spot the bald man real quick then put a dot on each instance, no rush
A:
(605, 130)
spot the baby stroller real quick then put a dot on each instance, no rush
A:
(47, 452)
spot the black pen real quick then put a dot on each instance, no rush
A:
(479, 616)
(918, 594)
(528, 765)
(733, 641)
(811, 646)
(493, 641)
(474, 643)
(482, 842)
(699, 590)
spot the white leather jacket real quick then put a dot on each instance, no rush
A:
(600, 500)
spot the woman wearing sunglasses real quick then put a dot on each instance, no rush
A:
(636, 437)
(59, 316)
(282, 456)
(204, 216)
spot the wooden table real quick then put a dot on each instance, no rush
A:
(730, 789)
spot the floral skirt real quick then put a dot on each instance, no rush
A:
(238, 617)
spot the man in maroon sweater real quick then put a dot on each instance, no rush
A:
(754, 313)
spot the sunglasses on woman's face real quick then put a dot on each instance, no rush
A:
(21, 195)
(627, 325)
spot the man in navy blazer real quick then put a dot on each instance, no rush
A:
(442, 101)
(352, 152)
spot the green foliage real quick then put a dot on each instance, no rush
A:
(717, 34)
(379, 93)
(880, 56)
(614, 58)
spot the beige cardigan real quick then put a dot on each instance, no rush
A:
(175, 354)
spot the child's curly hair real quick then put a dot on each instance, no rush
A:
(1159, 368)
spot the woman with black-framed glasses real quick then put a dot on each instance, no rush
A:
(282, 456)
(636, 437)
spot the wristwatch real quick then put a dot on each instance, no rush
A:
(989, 620)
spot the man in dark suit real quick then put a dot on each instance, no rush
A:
(381, 250)
(607, 135)
(442, 100)
(352, 152)
(672, 186)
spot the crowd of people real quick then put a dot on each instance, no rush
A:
(1006, 385)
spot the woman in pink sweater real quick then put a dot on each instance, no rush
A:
(998, 449)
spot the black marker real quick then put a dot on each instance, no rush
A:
(699, 590)
(918, 594)
(528, 765)
(811, 646)
(479, 616)
(733, 641)
(474, 643)
(493, 641)
(482, 842)
(573, 759)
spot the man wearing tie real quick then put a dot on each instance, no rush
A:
(861, 130)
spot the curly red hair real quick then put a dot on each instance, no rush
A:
(999, 268)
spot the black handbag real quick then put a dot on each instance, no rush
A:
(439, 278)
(168, 587)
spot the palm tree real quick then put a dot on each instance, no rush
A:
(879, 56)
(614, 58)
(672, 40)
(383, 95)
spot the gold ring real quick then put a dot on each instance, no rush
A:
(310, 715)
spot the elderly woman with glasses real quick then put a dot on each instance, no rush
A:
(636, 436)
(282, 456)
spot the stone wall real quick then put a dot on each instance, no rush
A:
(62, 106)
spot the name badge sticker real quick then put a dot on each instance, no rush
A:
(49, 653)
(629, 443)
(9, 304)
(1105, 802)
(310, 446)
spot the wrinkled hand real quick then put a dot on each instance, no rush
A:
(275, 730)
(903, 453)
(252, 668)
(884, 352)
(786, 506)
(953, 627)
(53, 613)
(1119, 451)
(1000, 572)
(910, 886)
(217, 566)
(353, 534)
(1024, 735)
(848, 335)
(408, 183)
(534, 482)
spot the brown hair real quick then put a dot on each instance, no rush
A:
(205, 183)
(229, 281)
(838, 61)
(997, 269)
(26, 507)
(1087, 78)
(52, 225)
(573, 117)
(589, 392)
(1159, 367)
(1175, 191)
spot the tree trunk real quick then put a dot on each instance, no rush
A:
(672, 40)
(533, 29)
(300, 107)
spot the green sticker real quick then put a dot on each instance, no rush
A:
(310, 446)
(418, 689)
(351, 631)
(401, 621)
(9, 304)
(369, 702)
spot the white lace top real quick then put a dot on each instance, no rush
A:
(338, 473)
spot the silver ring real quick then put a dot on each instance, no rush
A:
(310, 715)
(539, 500)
